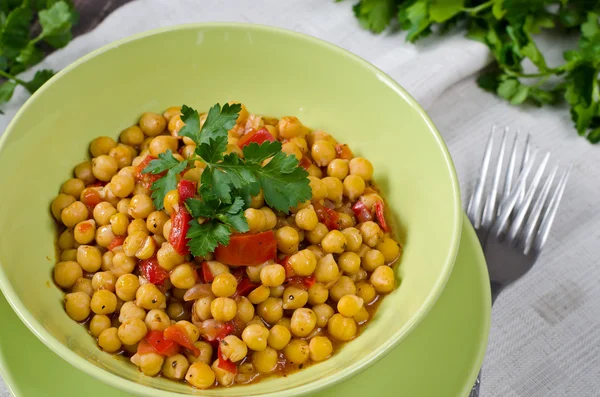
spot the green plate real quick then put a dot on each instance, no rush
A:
(440, 358)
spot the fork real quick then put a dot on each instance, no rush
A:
(513, 225)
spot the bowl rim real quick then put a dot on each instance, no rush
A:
(354, 368)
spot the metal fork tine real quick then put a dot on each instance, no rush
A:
(510, 172)
(474, 208)
(536, 213)
(502, 220)
(522, 210)
(524, 161)
(489, 212)
(551, 211)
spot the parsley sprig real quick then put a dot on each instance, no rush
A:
(19, 50)
(508, 28)
(229, 181)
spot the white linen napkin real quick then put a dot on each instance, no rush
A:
(544, 340)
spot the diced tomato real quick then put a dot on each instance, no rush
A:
(152, 271)
(245, 287)
(302, 282)
(146, 179)
(206, 273)
(289, 272)
(239, 274)
(144, 347)
(225, 364)
(226, 329)
(328, 216)
(116, 242)
(309, 280)
(164, 347)
(177, 334)
(305, 162)
(260, 136)
(361, 212)
(180, 224)
(186, 189)
(248, 249)
(343, 151)
(140, 167)
(380, 216)
(90, 197)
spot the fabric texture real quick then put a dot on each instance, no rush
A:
(544, 340)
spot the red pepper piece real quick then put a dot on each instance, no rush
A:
(225, 364)
(186, 189)
(328, 216)
(152, 271)
(91, 197)
(380, 216)
(260, 136)
(248, 249)
(343, 151)
(305, 162)
(147, 179)
(285, 262)
(180, 224)
(164, 347)
(177, 334)
(206, 273)
(245, 287)
(144, 347)
(116, 242)
(361, 212)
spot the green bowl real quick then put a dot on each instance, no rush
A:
(274, 72)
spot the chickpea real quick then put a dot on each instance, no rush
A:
(121, 185)
(335, 189)
(123, 154)
(123, 205)
(150, 363)
(66, 240)
(104, 167)
(316, 235)
(119, 223)
(353, 239)
(99, 323)
(191, 331)
(233, 348)
(327, 269)
(72, 187)
(162, 143)
(89, 258)
(132, 331)
(342, 328)
(323, 313)
(271, 310)
(152, 124)
(245, 309)
(126, 287)
(61, 202)
(132, 136)
(103, 302)
(104, 281)
(183, 276)
(137, 225)
(77, 305)
(354, 186)
(144, 147)
(290, 127)
(285, 322)
(202, 308)
(279, 337)
(323, 152)
(217, 268)
(371, 233)
(277, 292)
(265, 361)
(345, 220)
(157, 320)
(294, 298)
(141, 206)
(175, 367)
(67, 273)
(200, 375)
(101, 146)
(84, 172)
(344, 286)
(74, 213)
(253, 272)
(297, 351)
(303, 322)
(148, 297)
(156, 221)
(307, 219)
(256, 220)
(317, 293)
(122, 264)
(320, 348)
(303, 262)
(334, 242)
(223, 309)
(206, 353)
(257, 201)
(362, 167)
(372, 260)
(318, 187)
(141, 188)
(224, 377)
(382, 279)
(349, 305)
(259, 294)
(338, 168)
(107, 258)
(109, 341)
(83, 285)
(102, 213)
(287, 239)
(69, 254)
(362, 316)
(270, 218)
(177, 311)
(171, 112)
(389, 248)
(366, 292)
(272, 275)
(168, 258)
(255, 336)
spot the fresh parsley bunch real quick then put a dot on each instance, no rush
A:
(228, 181)
(20, 49)
(508, 28)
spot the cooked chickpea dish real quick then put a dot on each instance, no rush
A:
(213, 285)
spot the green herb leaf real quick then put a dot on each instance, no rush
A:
(375, 15)
(443, 10)
(256, 154)
(168, 182)
(6, 91)
(56, 22)
(219, 121)
(41, 76)
(191, 129)
(15, 34)
(414, 18)
(204, 238)
(233, 215)
(164, 162)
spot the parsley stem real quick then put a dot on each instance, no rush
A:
(11, 77)
(480, 7)
(546, 73)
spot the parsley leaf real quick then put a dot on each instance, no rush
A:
(56, 24)
(191, 128)
(375, 15)
(6, 91)
(204, 238)
(219, 121)
(41, 76)
(256, 154)
(168, 182)
(233, 215)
